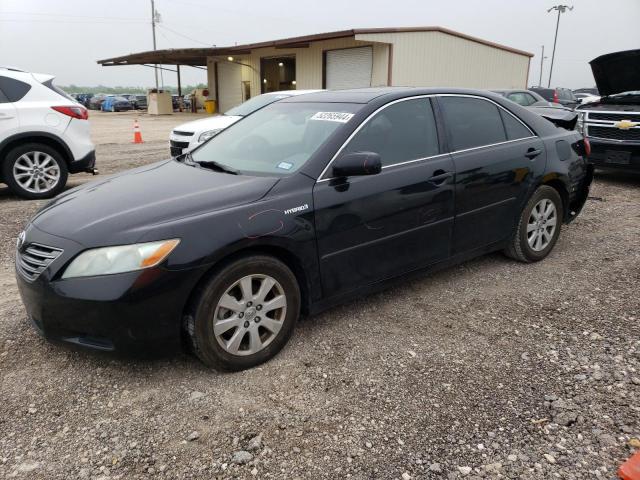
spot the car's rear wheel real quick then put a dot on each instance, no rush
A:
(35, 171)
(539, 226)
(245, 314)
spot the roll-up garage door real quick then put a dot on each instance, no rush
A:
(229, 85)
(349, 68)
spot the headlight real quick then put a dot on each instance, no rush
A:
(124, 258)
(580, 122)
(204, 136)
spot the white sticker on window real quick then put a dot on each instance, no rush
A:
(333, 116)
(285, 165)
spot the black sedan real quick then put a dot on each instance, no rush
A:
(306, 203)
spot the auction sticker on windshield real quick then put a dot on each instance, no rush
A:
(333, 116)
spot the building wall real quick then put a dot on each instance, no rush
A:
(309, 62)
(431, 59)
(418, 59)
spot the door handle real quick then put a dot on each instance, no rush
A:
(532, 153)
(439, 177)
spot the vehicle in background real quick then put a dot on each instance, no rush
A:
(591, 91)
(132, 97)
(84, 98)
(115, 103)
(583, 98)
(44, 135)
(612, 124)
(141, 102)
(561, 96)
(96, 101)
(525, 98)
(188, 136)
(302, 205)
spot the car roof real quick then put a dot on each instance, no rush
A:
(367, 95)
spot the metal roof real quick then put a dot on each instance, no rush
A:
(198, 56)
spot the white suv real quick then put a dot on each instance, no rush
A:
(44, 135)
(188, 136)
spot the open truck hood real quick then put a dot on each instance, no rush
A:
(617, 72)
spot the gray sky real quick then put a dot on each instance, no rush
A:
(66, 37)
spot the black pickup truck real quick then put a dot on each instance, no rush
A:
(612, 124)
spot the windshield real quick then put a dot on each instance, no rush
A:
(279, 139)
(256, 103)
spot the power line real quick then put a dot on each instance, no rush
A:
(78, 22)
(126, 19)
(164, 26)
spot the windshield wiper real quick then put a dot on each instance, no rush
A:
(213, 165)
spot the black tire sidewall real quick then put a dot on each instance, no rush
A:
(205, 344)
(544, 192)
(15, 187)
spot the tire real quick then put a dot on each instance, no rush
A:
(229, 346)
(49, 160)
(532, 246)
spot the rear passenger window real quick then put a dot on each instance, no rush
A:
(515, 129)
(403, 131)
(472, 122)
(13, 89)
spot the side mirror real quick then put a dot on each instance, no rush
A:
(356, 164)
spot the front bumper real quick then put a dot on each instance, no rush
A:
(131, 313)
(615, 155)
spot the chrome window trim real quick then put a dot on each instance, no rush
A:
(414, 97)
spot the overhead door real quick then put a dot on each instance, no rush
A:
(349, 68)
(229, 85)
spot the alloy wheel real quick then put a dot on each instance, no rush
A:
(36, 172)
(250, 314)
(541, 225)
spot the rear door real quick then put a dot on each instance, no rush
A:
(8, 114)
(496, 159)
(374, 227)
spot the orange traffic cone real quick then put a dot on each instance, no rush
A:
(137, 135)
(630, 470)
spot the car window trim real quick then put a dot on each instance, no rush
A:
(366, 120)
(433, 95)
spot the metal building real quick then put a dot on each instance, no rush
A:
(416, 56)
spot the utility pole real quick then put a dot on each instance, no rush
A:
(153, 32)
(561, 9)
(542, 57)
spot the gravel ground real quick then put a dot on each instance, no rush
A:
(492, 369)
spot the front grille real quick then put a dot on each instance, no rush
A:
(179, 144)
(614, 117)
(182, 134)
(631, 135)
(34, 259)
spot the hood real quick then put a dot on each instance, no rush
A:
(617, 72)
(559, 116)
(209, 123)
(123, 208)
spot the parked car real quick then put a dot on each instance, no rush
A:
(44, 135)
(116, 103)
(299, 206)
(590, 91)
(561, 96)
(525, 98)
(188, 136)
(95, 103)
(612, 123)
(141, 102)
(583, 98)
(84, 98)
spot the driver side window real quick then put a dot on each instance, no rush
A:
(398, 133)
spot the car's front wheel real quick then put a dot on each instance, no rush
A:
(35, 171)
(538, 228)
(245, 314)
